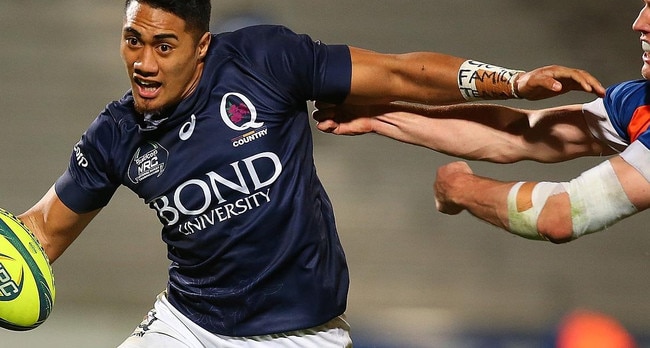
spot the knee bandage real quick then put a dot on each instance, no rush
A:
(597, 201)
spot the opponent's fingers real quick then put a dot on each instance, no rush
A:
(553, 80)
(446, 175)
(443, 206)
(322, 114)
(327, 126)
(576, 79)
(323, 105)
(580, 79)
(455, 167)
(592, 85)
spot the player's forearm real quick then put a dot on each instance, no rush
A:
(482, 197)
(477, 132)
(492, 133)
(54, 224)
(422, 77)
(427, 78)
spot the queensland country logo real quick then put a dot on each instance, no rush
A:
(149, 160)
(239, 114)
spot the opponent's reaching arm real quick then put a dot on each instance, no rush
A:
(436, 79)
(473, 131)
(558, 212)
(54, 224)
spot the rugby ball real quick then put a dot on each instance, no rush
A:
(26, 278)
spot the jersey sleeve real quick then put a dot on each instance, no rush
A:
(622, 119)
(623, 115)
(601, 126)
(87, 185)
(312, 69)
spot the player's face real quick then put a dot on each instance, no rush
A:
(164, 62)
(642, 25)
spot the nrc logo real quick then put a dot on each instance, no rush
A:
(149, 160)
(9, 290)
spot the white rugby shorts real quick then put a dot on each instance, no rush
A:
(166, 327)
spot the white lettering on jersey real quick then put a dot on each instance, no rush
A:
(81, 159)
(204, 191)
(249, 136)
(225, 212)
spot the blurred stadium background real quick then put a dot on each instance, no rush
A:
(419, 278)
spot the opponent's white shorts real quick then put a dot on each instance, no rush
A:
(166, 327)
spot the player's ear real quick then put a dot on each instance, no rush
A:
(204, 43)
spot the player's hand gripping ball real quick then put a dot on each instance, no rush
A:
(26, 278)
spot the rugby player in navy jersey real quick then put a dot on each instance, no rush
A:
(616, 124)
(214, 136)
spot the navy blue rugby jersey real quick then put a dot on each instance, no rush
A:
(231, 176)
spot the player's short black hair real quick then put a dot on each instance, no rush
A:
(195, 13)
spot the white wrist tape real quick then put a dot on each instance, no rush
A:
(525, 205)
(597, 200)
(596, 196)
(477, 80)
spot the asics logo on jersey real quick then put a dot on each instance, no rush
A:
(187, 129)
(238, 112)
(206, 198)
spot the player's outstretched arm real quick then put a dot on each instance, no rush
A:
(558, 212)
(54, 224)
(439, 79)
(472, 131)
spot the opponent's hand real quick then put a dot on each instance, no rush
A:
(445, 185)
(553, 80)
(345, 119)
